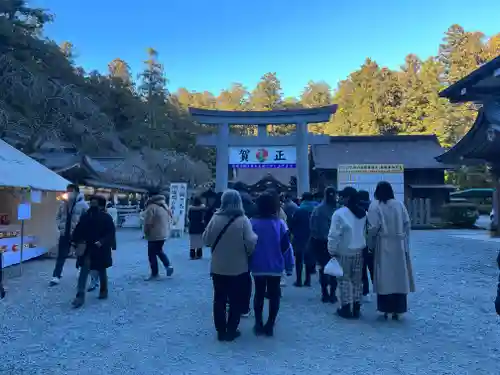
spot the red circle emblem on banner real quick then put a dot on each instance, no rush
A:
(262, 154)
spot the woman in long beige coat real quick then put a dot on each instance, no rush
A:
(388, 236)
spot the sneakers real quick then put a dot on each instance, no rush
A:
(152, 278)
(367, 298)
(2, 292)
(170, 271)
(283, 282)
(55, 281)
(245, 315)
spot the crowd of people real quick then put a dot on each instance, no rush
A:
(254, 242)
(89, 230)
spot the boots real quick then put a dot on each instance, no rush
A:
(199, 253)
(307, 281)
(298, 274)
(103, 288)
(79, 300)
(356, 310)
(192, 254)
(345, 312)
(103, 294)
(269, 329)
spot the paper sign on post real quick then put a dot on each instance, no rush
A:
(24, 211)
(36, 196)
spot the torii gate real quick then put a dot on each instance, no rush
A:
(301, 139)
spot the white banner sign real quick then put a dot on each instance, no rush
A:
(177, 204)
(263, 157)
(367, 176)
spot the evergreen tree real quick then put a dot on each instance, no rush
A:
(316, 94)
(120, 73)
(268, 94)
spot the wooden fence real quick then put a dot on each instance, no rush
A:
(420, 211)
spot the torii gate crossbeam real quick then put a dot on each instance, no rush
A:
(301, 139)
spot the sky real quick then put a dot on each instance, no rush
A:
(209, 44)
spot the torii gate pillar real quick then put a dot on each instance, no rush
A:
(301, 139)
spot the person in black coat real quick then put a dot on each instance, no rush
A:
(213, 207)
(197, 224)
(95, 236)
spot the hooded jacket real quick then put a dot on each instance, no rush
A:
(321, 218)
(347, 231)
(75, 208)
(157, 218)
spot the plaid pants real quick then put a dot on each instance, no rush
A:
(351, 284)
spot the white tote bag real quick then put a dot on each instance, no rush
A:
(333, 268)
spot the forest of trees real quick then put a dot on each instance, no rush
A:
(45, 95)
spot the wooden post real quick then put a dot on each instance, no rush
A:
(222, 165)
(427, 211)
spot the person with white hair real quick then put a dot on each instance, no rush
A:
(230, 236)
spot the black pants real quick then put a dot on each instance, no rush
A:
(228, 289)
(247, 294)
(303, 257)
(320, 249)
(392, 303)
(84, 274)
(328, 284)
(367, 267)
(271, 284)
(155, 250)
(62, 253)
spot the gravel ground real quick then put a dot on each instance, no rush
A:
(166, 326)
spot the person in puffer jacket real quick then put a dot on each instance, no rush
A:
(68, 216)
(497, 300)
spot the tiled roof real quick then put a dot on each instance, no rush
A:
(413, 151)
(482, 82)
(482, 142)
(58, 161)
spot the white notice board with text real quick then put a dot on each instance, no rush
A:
(367, 176)
(177, 205)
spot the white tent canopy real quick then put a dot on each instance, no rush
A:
(19, 170)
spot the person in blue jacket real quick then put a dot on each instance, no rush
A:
(301, 232)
